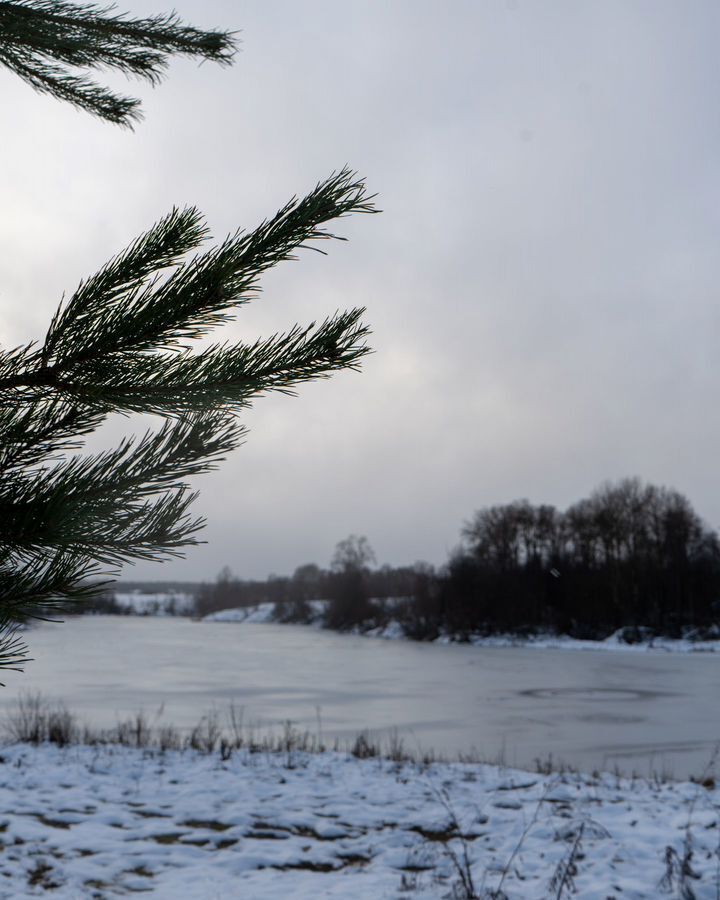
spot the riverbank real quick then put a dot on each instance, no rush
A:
(625, 639)
(100, 821)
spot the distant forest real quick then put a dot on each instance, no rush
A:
(630, 556)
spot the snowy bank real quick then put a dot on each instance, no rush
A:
(263, 614)
(613, 642)
(258, 615)
(99, 822)
(158, 603)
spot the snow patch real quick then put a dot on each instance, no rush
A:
(105, 821)
(159, 603)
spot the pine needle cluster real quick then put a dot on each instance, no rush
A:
(125, 341)
(52, 44)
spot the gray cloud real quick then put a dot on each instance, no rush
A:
(541, 284)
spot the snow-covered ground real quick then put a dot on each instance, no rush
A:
(260, 614)
(614, 642)
(84, 822)
(158, 603)
(263, 614)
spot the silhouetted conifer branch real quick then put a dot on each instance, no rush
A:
(123, 342)
(50, 44)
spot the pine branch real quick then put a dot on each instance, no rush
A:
(13, 649)
(113, 315)
(101, 347)
(16, 363)
(102, 505)
(33, 590)
(36, 591)
(122, 343)
(32, 433)
(42, 41)
(121, 278)
(229, 376)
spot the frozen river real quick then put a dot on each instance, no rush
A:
(593, 709)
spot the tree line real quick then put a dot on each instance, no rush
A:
(356, 592)
(630, 556)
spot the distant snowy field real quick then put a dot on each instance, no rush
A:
(84, 822)
(262, 614)
(159, 603)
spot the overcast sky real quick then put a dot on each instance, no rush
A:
(542, 285)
